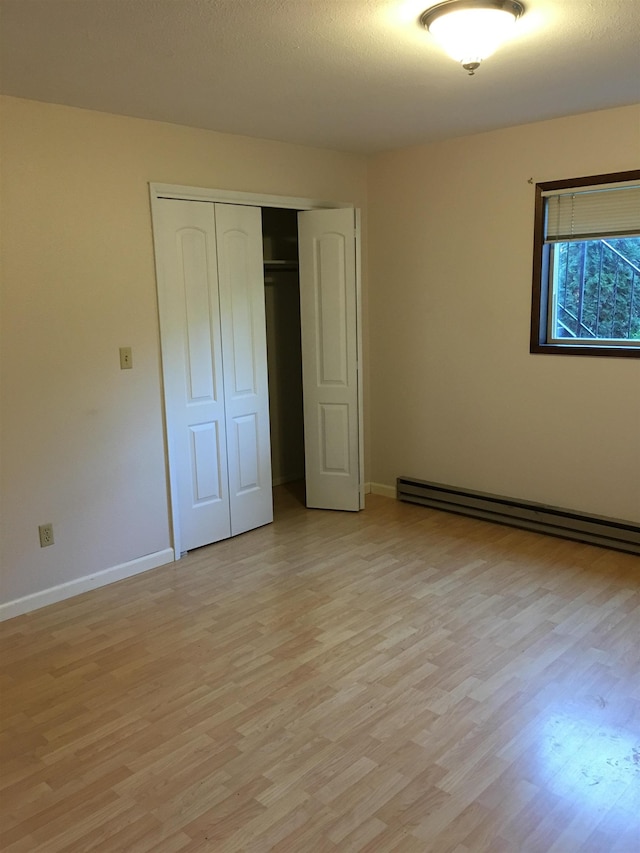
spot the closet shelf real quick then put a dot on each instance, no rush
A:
(280, 265)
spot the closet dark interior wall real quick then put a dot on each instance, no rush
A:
(284, 356)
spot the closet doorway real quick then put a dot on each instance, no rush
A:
(284, 345)
(309, 309)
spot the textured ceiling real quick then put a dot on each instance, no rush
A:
(356, 75)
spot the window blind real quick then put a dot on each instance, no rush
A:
(588, 213)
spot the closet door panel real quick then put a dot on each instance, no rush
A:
(328, 312)
(248, 443)
(192, 371)
(206, 456)
(242, 314)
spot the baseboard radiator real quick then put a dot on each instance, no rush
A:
(594, 529)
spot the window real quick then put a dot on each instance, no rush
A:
(586, 266)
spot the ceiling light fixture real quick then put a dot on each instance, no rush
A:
(471, 30)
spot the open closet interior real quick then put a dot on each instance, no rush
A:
(284, 354)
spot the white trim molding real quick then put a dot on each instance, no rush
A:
(75, 587)
(382, 489)
(186, 193)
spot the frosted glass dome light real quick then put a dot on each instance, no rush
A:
(471, 30)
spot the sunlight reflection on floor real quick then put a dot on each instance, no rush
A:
(592, 764)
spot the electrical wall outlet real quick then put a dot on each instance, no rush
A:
(46, 535)
(126, 359)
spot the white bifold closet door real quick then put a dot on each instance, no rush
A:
(212, 323)
(244, 356)
(330, 378)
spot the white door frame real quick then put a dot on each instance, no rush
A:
(186, 193)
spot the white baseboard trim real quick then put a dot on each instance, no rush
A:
(381, 489)
(67, 590)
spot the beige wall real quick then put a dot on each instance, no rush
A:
(82, 441)
(455, 395)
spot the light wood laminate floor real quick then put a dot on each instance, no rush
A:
(398, 679)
